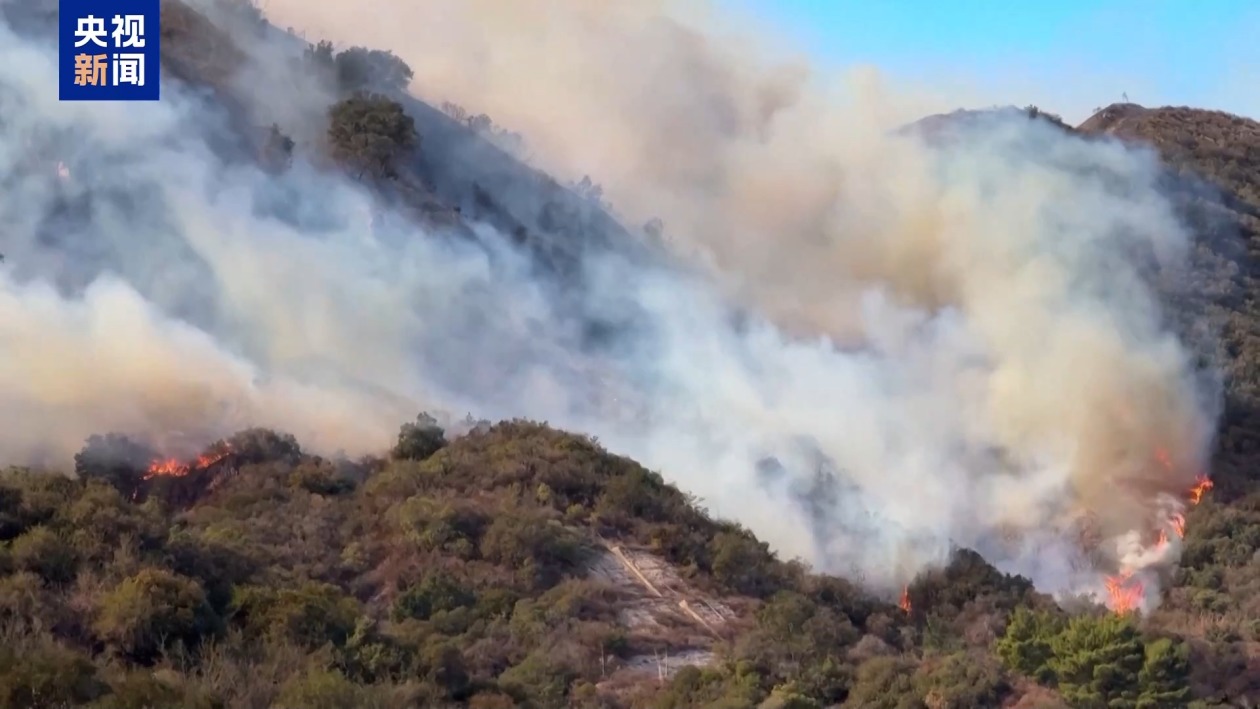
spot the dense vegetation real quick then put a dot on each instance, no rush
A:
(456, 573)
(457, 570)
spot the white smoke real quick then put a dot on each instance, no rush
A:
(902, 347)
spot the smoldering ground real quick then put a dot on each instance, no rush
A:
(941, 344)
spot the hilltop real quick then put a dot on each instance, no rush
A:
(510, 564)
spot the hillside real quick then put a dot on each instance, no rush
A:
(1214, 159)
(511, 564)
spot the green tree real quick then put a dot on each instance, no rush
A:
(371, 656)
(148, 611)
(310, 615)
(263, 445)
(143, 690)
(41, 674)
(743, 564)
(787, 697)
(47, 553)
(319, 689)
(1165, 675)
(538, 549)
(1026, 646)
(419, 439)
(884, 683)
(442, 664)
(362, 69)
(101, 519)
(1097, 660)
(961, 681)
(370, 134)
(539, 679)
(437, 592)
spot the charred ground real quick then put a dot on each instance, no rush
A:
(515, 565)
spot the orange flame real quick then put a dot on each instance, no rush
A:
(1124, 592)
(904, 603)
(170, 467)
(1203, 484)
(1162, 541)
(1178, 522)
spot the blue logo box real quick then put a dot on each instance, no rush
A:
(109, 50)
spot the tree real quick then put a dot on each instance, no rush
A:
(419, 439)
(310, 615)
(588, 190)
(46, 553)
(480, 123)
(1097, 660)
(319, 689)
(362, 69)
(539, 678)
(437, 592)
(884, 683)
(263, 445)
(743, 563)
(320, 58)
(455, 111)
(1165, 675)
(961, 681)
(370, 133)
(151, 609)
(115, 459)
(46, 676)
(1026, 646)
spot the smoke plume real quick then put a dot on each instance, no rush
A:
(869, 345)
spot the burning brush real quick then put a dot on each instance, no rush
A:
(172, 467)
(1125, 591)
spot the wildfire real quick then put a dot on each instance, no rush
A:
(171, 467)
(1202, 484)
(1124, 592)
(904, 603)
(1178, 522)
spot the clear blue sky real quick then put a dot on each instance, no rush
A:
(1066, 55)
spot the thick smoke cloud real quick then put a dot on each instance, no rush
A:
(936, 343)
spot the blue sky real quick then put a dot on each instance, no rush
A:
(1066, 55)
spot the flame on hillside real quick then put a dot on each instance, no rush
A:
(173, 467)
(1201, 486)
(904, 603)
(1125, 591)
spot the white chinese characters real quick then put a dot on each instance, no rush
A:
(129, 69)
(124, 68)
(128, 31)
(90, 29)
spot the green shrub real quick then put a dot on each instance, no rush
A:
(147, 612)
